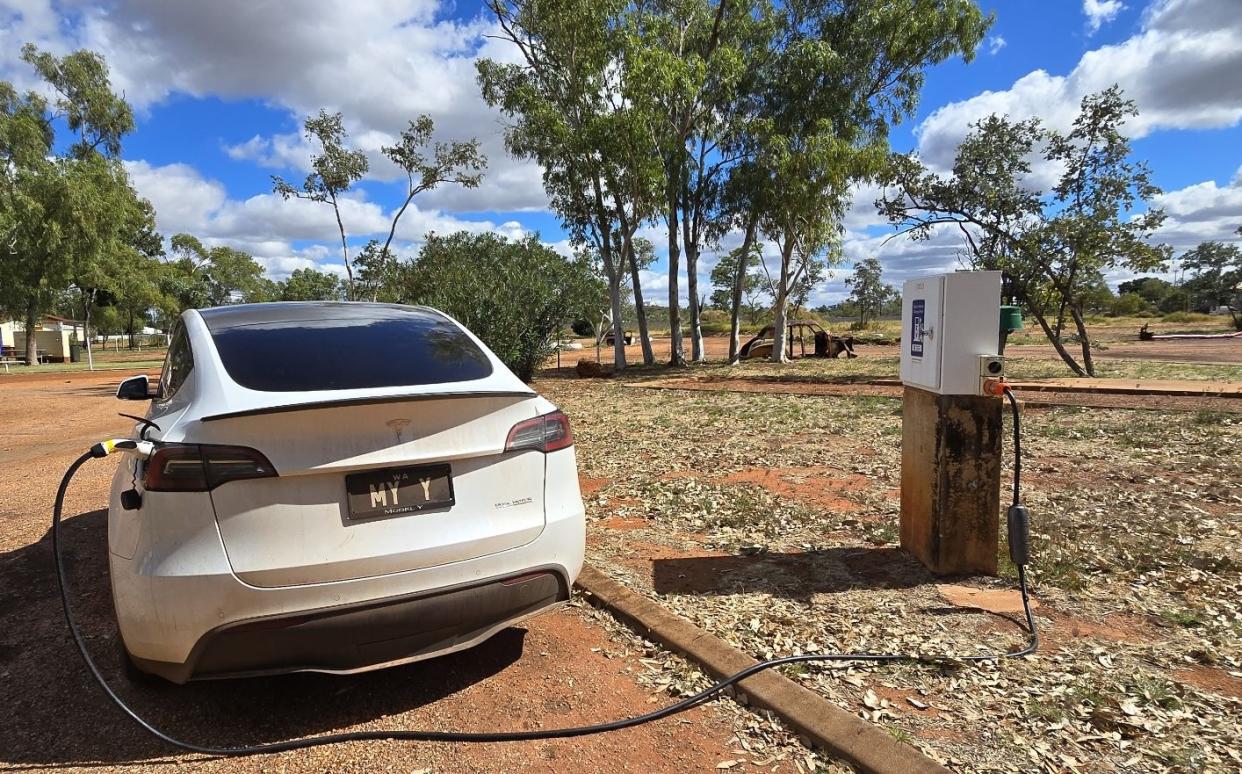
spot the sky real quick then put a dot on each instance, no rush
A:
(220, 90)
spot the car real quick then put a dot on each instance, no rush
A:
(335, 487)
(823, 343)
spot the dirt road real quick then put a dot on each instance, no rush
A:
(1172, 351)
(560, 669)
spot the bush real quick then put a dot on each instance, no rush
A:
(715, 322)
(1129, 305)
(1176, 300)
(583, 328)
(1187, 317)
(512, 295)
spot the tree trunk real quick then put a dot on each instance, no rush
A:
(782, 302)
(32, 346)
(618, 328)
(739, 281)
(613, 270)
(644, 335)
(677, 356)
(692, 287)
(349, 270)
(1088, 363)
(87, 302)
(1056, 342)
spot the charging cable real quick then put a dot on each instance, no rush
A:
(1019, 551)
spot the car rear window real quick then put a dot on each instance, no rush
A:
(361, 351)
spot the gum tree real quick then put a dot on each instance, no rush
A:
(558, 98)
(64, 218)
(1054, 245)
(334, 170)
(838, 77)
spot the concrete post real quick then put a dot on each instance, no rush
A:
(950, 481)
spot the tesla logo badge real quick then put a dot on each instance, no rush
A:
(398, 427)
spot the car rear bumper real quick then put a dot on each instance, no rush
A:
(370, 635)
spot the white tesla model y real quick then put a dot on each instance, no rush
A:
(336, 487)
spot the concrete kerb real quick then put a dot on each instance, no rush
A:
(822, 723)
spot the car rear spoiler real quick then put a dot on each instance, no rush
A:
(369, 400)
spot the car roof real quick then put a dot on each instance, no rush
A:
(221, 318)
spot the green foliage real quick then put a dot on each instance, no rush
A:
(1054, 246)
(72, 220)
(87, 103)
(310, 285)
(1130, 305)
(753, 284)
(334, 170)
(214, 276)
(1176, 300)
(1217, 277)
(514, 295)
(1151, 289)
(1187, 317)
(868, 291)
(456, 162)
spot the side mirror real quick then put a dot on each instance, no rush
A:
(134, 388)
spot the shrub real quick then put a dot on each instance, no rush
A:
(1176, 300)
(512, 295)
(1187, 317)
(1129, 305)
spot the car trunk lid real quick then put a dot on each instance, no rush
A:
(299, 528)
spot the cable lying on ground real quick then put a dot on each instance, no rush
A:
(1018, 548)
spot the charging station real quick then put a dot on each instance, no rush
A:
(951, 429)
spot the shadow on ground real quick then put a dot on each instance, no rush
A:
(793, 575)
(55, 715)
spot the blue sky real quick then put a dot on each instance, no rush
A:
(221, 89)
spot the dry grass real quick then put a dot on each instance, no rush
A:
(1137, 566)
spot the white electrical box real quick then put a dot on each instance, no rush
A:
(950, 324)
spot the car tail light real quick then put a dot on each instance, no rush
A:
(544, 433)
(195, 468)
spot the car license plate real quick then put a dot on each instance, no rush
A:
(395, 491)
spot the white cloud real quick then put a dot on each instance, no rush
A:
(1201, 212)
(1100, 12)
(267, 226)
(1181, 69)
(379, 62)
(994, 44)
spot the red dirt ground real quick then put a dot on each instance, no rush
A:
(810, 485)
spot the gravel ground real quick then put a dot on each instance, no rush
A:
(567, 668)
(771, 521)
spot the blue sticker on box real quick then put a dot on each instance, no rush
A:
(917, 313)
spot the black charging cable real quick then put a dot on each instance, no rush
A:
(1022, 551)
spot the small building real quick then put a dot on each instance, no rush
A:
(52, 333)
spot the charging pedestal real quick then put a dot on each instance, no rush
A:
(951, 432)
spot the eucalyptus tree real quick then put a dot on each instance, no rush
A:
(682, 70)
(840, 75)
(558, 98)
(228, 275)
(639, 254)
(334, 170)
(457, 162)
(1218, 276)
(1054, 246)
(310, 285)
(868, 291)
(64, 216)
